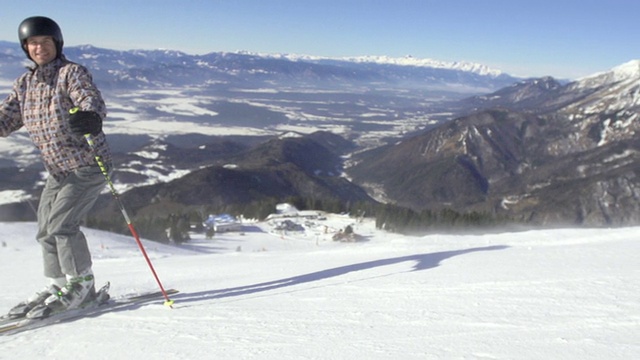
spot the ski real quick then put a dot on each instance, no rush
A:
(102, 296)
(103, 304)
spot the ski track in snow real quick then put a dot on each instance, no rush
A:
(540, 294)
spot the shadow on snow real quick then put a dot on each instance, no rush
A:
(422, 262)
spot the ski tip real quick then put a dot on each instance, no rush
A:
(169, 303)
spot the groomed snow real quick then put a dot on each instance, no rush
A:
(545, 294)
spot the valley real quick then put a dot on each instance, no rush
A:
(261, 128)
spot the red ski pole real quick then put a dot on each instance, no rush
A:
(168, 302)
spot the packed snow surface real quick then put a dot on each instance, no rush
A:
(261, 294)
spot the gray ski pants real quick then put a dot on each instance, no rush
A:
(63, 205)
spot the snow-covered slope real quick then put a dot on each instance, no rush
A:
(616, 90)
(562, 294)
(622, 72)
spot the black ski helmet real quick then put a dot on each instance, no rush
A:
(40, 26)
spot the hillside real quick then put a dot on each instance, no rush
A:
(248, 181)
(563, 294)
(537, 151)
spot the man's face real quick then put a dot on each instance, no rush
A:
(42, 49)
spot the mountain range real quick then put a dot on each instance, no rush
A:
(222, 128)
(538, 150)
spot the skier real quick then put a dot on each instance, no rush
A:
(40, 102)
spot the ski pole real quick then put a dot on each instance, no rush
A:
(168, 302)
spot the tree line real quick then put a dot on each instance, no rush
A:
(175, 226)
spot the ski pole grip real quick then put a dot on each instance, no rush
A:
(74, 110)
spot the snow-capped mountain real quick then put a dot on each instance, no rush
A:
(408, 60)
(623, 72)
(538, 151)
(603, 106)
(615, 92)
(143, 68)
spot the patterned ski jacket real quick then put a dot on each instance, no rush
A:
(40, 101)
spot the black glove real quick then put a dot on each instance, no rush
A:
(85, 122)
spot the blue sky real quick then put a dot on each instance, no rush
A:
(561, 38)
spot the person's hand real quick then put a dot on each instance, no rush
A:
(85, 122)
